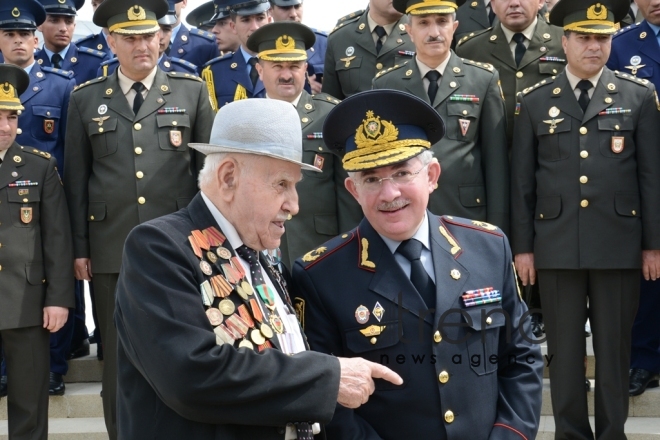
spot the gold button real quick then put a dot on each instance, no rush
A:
(174, 123)
(584, 203)
(584, 179)
(583, 130)
(138, 150)
(489, 320)
(139, 174)
(449, 416)
(305, 120)
(443, 377)
(616, 127)
(634, 212)
(540, 215)
(138, 126)
(379, 66)
(478, 200)
(0, 267)
(1, 243)
(608, 100)
(25, 200)
(584, 154)
(373, 340)
(142, 201)
(465, 112)
(452, 84)
(554, 71)
(91, 217)
(100, 129)
(437, 337)
(519, 74)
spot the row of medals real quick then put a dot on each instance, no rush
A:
(231, 323)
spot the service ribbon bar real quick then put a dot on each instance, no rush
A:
(464, 98)
(171, 110)
(23, 183)
(615, 111)
(315, 136)
(557, 59)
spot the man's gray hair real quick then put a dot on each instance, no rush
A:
(207, 174)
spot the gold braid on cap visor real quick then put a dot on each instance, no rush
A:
(432, 7)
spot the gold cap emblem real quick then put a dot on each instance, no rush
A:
(597, 12)
(136, 13)
(285, 43)
(15, 13)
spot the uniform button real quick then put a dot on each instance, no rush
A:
(379, 66)
(616, 127)
(0, 267)
(443, 377)
(478, 200)
(1, 243)
(142, 201)
(139, 174)
(584, 203)
(584, 179)
(138, 150)
(489, 320)
(583, 130)
(25, 200)
(449, 416)
(373, 340)
(584, 154)
(519, 74)
(91, 217)
(540, 215)
(174, 123)
(138, 126)
(305, 120)
(633, 213)
(437, 337)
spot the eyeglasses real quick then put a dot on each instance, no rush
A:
(399, 178)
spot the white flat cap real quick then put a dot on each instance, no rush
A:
(267, 127)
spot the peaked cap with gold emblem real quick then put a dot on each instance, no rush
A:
(424, 7)
(13, 82)
(21, 14)
(282, 41)
(131, 17)
(62, 7)
(589, 16)
(379, 128)
(248, 7)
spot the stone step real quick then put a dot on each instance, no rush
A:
(637, 428)
(646, 405)
(85, 369)
(81, 400)
(69, 429)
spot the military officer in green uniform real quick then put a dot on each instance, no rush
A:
(127, 159)
(362, 44)
(473, 154)
(35, 264)
(585, 191)
(326, 206)
(522, 47)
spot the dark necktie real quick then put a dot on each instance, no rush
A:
(380, 32)
(139, 99)
(584, 86)
(254, 75)
(520, 47)
(412, 250)
(433, 76)
(56, 61)
(491, 15)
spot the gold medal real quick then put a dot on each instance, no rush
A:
(266, 331)
(246, 344)
(276, 323)
(223, 253)
(215, 317)
(257, 337)
(206, 268)
(227, 307)
(241, 292)
(212, 257)
(247, 288)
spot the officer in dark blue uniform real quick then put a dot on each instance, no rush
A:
(193, 45)
(41, 125)
(233, 77)
(225, 37)
(58, 51)
(96, 41)
(434, 298)
(636, 51)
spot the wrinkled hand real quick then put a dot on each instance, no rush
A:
(525, 268)
(55, 318)
(314, 84)
(651, 264)
(82, 269)
(356, 381)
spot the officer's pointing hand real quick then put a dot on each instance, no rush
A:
(356, 381)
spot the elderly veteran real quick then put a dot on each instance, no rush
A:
(326, 206)
(585, 166)
(198, 295)
(433, 297)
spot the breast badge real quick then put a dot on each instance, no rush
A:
(362, 315)
(617, 144)
(175, 138)
(26, 215)
(378, 311)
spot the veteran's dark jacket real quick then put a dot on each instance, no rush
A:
(35, 239)
(474, 182)
(129, 168)
(576, 202)
(444, 395)
(174, 382)
(351, 61)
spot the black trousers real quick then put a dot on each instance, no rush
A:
(612, 296)
(104, 290)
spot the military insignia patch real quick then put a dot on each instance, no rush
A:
(23, 192)
(484, 225)
(26, 215)
(364, 257)
(378, 311)
(465, 126)
(49, 126)
(299, 307)
(175, 138)
(617, 144)
(318, 161)
(455, 248)
(313, 255)
(362, 315)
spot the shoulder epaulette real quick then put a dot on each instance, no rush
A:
(346, 20)
(391, 69)
(184, 63)
(96, 53)
(351, 16)
(91, 81)
(83, 39)
(320, 32)
(326, 98)
(184, 75)
(485, 66)
(110, 61)
(36, 152)
(63, 73)
(626, 29)
(472, 35)
(202, 33)
(326, 249)
(220, 58)
(472, 224)
(538, 84)
(631, 78)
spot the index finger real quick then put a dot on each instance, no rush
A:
(382, 372)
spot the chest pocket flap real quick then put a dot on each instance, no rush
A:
(357, 342)
(615, 123)
(544, 129)
(355, 63)
(108, 125)
(46, 111)
(28, 194)
(173, 120)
